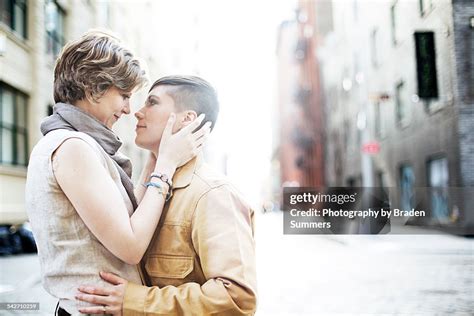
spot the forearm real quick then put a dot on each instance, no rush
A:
(215, 297)
(144, 176)
(144, 220)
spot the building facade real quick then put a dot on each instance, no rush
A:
(32, 33)
(396, 77)
(299, 140)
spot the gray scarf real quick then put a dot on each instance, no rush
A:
(72, 118)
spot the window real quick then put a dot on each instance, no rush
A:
(13, 14)
(54, 19)
(401, 106)
(426, 65)
(438, 181)
(13, 126)
(407, 186)
(374, 47)
(379, 126)
(393, 22)
(425, 6)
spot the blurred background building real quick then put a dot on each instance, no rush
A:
(32, 33)
(395, 88)
(301, 127)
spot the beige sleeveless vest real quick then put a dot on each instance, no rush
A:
(70, 255)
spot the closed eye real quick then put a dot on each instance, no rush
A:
(152, 101)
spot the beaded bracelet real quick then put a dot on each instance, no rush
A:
(166, 195)
(163, 177)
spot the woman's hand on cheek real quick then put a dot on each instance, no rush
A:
(177, 149)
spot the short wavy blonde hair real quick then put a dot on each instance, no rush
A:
(89, 66)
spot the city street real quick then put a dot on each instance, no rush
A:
(325, 275)
(363, 275)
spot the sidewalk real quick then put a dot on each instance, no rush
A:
(362, 275)
(20, 282)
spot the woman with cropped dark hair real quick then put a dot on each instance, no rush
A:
(79, 196)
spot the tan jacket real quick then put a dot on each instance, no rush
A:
(201, 260)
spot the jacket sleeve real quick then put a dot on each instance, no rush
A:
(222, 236)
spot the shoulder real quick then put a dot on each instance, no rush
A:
(208, 178)
(216, 189)
(75, 152)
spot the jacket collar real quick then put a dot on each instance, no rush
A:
(184, 174)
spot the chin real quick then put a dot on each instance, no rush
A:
(138, 143)
(147, 146)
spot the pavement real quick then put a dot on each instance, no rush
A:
(323, 274)
(362, 274)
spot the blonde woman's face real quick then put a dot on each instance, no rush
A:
(111, 106)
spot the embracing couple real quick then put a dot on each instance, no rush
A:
(181, 242)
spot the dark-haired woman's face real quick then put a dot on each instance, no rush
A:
(152, 118)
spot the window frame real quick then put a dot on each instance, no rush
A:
(438, 193)
(393, 22)
(401, 104)
(401, 174)
(425, 6)
(374, 47)
(23, 6)
(54, 39)
(15, 128)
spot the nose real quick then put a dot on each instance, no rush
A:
(139, 114)
(126, 108)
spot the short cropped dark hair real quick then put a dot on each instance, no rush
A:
(192, 93)
(89, 66)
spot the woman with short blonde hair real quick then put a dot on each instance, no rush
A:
(79, 196)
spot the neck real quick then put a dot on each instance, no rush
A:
(84, 105)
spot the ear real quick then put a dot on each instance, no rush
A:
(188, 117)
(90, 99)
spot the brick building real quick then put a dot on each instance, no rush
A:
(398, 74)
(300, 138)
